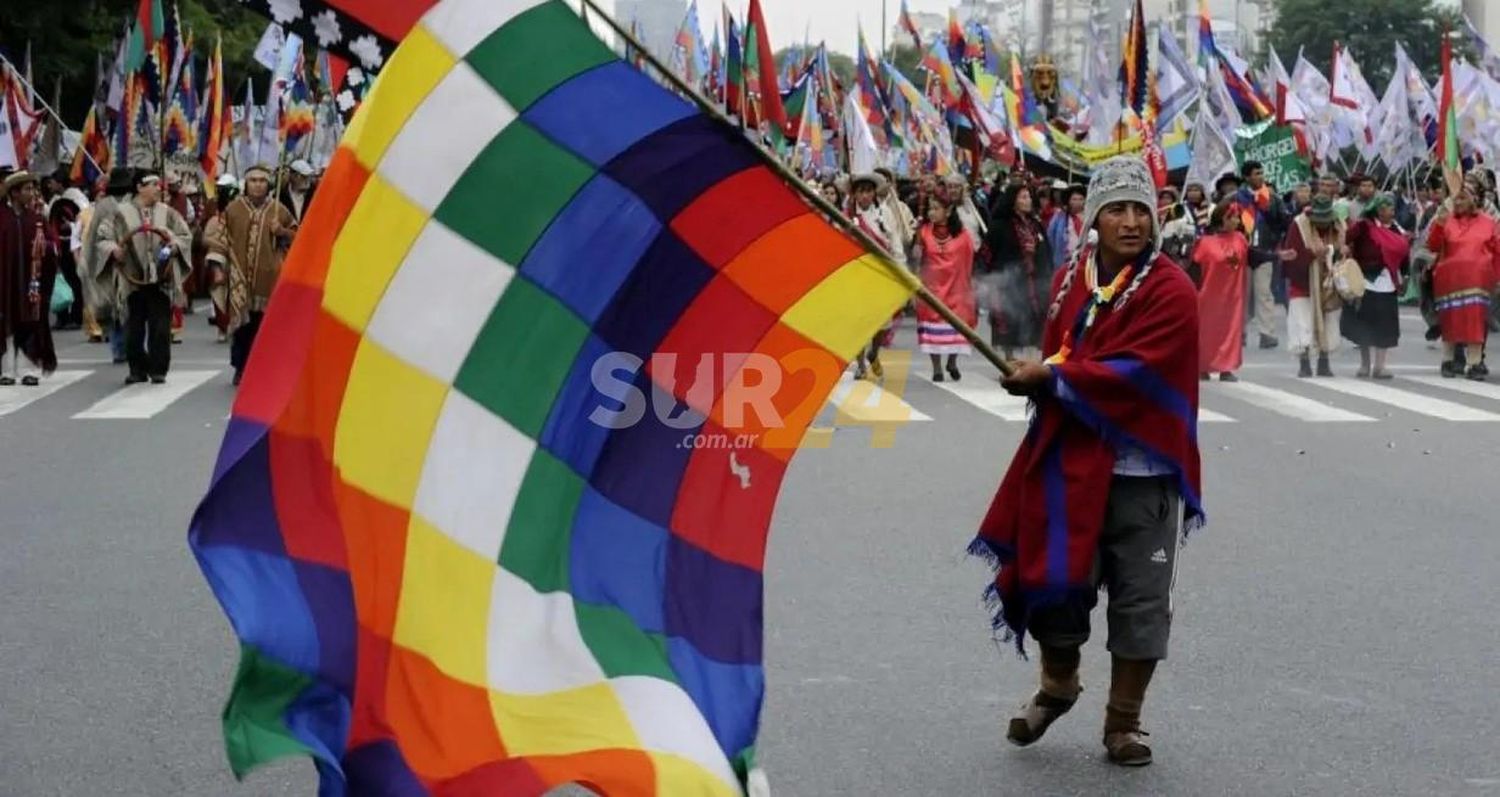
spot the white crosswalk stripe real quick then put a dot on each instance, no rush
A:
(19, 396)
(1481, 389)
(1282, 402)
(1412, 402)
(865, 402)
(146, 400)
(987, 395)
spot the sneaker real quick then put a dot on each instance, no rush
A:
(1128, 748)
(1228, 376)
(1268, 342)
(1035, 717)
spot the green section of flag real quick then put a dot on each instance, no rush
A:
(530, 55)
(539, 179)
(540, 531)
(620, 646)
(523, 355)
(255, 730)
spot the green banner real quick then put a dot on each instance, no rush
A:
(1276, 148)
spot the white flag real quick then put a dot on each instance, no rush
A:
(1213, 154)
(268, 50)
(1289, 107)
(7, 136)
(863, 155)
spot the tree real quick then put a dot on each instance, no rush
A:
(66, 35)
(1369, 28)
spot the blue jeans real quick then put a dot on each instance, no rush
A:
(117, 341)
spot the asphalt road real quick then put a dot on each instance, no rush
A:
(1336, 629)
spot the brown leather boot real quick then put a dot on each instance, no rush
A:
(1123, 737)
(1059, 691)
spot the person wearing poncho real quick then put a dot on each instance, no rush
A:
(1221, 257)
(253, 239)
(144, 245)
(1467, 245)
(28, 268)
(1312, 242)
(1106, 480)
(1374, 323)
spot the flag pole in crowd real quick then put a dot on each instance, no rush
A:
(813, 197)
(37, 98)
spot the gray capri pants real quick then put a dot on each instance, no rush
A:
(1137, 564)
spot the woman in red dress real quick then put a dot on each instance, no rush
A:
(1467, 245)
(947, 269)
(1221, 257)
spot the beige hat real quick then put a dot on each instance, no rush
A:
(16, 179)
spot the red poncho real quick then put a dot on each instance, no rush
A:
(1132, 378)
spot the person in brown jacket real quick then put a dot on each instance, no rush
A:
(253, 239)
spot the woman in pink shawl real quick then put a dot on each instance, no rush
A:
(1222, 256)
(947, 269)
(1381, 249)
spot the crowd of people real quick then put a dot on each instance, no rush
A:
(122, 262)
(1339, 254)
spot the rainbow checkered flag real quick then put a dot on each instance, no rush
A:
(464, 521)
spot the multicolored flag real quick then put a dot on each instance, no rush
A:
(179, 121)
(297, 120)
(1134, 64)
(689, 56)
(150, 25)
(213, 119)
(763, 73)
(92, 143)
(944, 76)
(909, 25)
(958, 47)
(1447, 138)
(1207, 49)
(734, 68)
(455, 559)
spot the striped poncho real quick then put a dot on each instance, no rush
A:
(1131, 379)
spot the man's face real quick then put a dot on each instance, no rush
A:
(1329, 187)
(928, 184)
(1256, 178)
(257, 186)
(1075, 204)
(148, 193)
(1124, 229)
(23, 195)
(1302, 195)
(299, 182)
(864, 195)
(1367, 190)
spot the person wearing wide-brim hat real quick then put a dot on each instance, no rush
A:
(1313, 243)
(28, 268)
(103, 316)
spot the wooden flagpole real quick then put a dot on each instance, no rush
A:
(811, 196)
